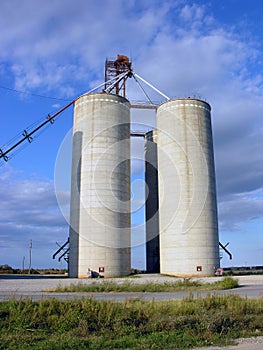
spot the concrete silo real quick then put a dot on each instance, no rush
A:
(187, 191)
(151, 203)
(100, 186)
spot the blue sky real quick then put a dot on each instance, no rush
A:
(210, 49)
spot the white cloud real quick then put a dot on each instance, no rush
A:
(238, 209)
(29, 211)
(29, 204)
(193, 14)
(43, 44)
(178, 47)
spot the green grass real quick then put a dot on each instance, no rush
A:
(91, 324)
(127, 286)
(226, 283)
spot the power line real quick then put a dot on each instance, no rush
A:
(31, 94)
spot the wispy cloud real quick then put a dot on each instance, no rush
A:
(179, 47)
(238, 209)
(29, 208)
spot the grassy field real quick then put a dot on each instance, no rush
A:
(91, 324)
(177, 286)
(181, 285)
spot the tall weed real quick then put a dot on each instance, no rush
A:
(91, 324)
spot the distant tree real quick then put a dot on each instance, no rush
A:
(6, 269)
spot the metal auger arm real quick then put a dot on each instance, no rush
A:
(28, 136)
(60, 248)
(226, 250)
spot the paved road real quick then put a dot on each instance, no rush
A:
(33, 286)
(241, 344)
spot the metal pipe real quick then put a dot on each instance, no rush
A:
(120, 77)
(154, 88)
(27, 136)
(142, 88)
(226, 250)
(60, 248)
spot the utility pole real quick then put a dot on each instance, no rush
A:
(23, 263)
(30, 256)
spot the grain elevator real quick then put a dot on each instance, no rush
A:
(181, 208)
(188, 223)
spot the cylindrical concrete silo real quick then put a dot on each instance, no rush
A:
(187, 190)
(100, 186)
(151, 203)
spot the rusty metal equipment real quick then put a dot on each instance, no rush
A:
(118, 71)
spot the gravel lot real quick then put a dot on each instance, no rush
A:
(255, 343)
(37, 283)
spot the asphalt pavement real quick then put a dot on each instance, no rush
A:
(35, 287)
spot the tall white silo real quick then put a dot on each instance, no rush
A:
(151, 203)
(100, 186)
(187, 189)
